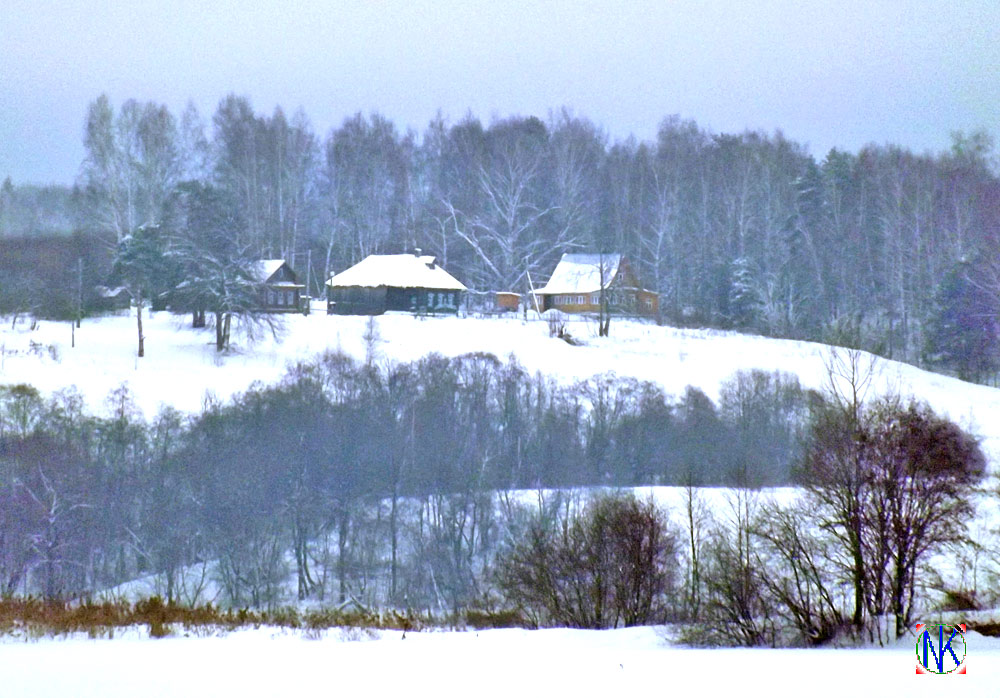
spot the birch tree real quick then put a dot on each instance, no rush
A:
(133, 162)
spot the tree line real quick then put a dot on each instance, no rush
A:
(882, 249)
(383, 481)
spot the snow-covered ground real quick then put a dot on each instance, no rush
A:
(181, 365)
(559, 662)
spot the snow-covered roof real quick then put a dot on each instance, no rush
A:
(265, 268)
(105, 292)
(581, 273)
(397, 270)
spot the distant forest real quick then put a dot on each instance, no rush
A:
(883, 249)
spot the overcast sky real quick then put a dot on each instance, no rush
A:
(839, 73)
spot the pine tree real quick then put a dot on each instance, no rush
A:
(965, 332)
(143, 267)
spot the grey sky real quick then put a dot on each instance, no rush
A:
(839, 73)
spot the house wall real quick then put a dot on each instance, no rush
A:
(648, 304)
(621, 301)
(282, 292)
(356, 300)
(281, 300)
(423, 300)
(571, 303)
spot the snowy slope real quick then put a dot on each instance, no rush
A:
(181, 365)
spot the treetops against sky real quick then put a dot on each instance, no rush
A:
(830, 75)
(746, 231)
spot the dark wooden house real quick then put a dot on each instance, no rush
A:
(409, 282)
(280, 291)
(578, 280)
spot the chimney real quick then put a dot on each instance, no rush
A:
(416, 251)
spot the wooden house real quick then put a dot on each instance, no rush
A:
(280, 290)
(578, 280)
(409, 282)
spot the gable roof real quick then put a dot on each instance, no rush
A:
(581, 273)
(264, 269)
(399, 271)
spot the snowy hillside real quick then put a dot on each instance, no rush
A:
(181, 366)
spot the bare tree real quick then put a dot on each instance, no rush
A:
(52, 539)
(365, 190)
(800, 576)
(133, 162)
(924, 469)
(737, 608)
(503, 224)
(609, 564)
(503, 237)
(890, 484)
(697, 517)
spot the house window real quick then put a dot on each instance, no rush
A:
(649, 303)
(281, 298)
(270, 298)
(290, 299)
(595, 298)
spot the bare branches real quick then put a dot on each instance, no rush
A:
(849, 377)
(133, 163)
(503, 234)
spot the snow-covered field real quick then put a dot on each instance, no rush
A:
(181, 365)
(560, 662)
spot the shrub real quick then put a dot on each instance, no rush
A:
(610, 565)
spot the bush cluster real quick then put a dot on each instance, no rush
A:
(610, 564)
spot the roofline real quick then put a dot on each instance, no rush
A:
(428, 288)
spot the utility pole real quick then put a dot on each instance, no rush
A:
(309, 268)
(74, 323)
(79, 290)
(604, 313)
